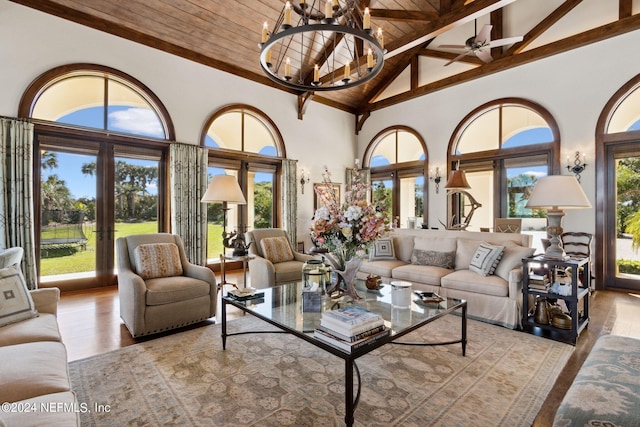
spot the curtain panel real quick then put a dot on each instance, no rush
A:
(290, 199)
(188, 168)
(16, 195)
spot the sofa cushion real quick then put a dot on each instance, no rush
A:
(288, 271)
(157, 260)
(441, 244)
(15, 300)
(167, 290)
(53, 410)
(465, 280)
(486, 259)
(41, 328)
(464, 252)
(33, 369)
(380, 268)
(276, 249)
(512, 258)
(434, 258)
(420, 274)
(382, 249)
(403, 247)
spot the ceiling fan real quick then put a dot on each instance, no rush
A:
(480, 45)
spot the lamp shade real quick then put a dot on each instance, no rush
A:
(558, 192)
(224, 188)
(457, 181)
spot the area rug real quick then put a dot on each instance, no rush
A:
(186, 379)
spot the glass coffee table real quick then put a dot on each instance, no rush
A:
(282, 306)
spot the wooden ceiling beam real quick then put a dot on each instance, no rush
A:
(595, 35)
(625, 8)
(403, 15)
(448, 56)
(543, 26)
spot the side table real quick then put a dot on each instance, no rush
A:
(245, 264)
(580, 293)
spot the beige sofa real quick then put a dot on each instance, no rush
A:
(495, 298)
(34, 378)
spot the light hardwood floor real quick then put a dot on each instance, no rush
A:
(90, 324)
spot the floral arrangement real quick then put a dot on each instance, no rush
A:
(347, 230)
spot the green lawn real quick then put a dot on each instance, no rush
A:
(84, 260)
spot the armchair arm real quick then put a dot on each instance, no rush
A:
(132, 290)
(46, 300)
(262, 274)
(515, 283)
(199, 272)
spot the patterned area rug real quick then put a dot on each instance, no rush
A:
(279, 380)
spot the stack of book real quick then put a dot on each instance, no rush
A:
(351, 327)
(539, 282)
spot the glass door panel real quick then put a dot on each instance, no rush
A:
(215, 218)
(411, 202)
(68, 194)
(382, 192)
(627, 234)
(260, 192)
(135, 196)
(481, 183)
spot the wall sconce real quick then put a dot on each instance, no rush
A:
(578, 165)
(436, 177)
(303, 180)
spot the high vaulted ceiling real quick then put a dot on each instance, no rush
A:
(224, 34)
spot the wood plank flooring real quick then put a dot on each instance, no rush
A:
(90, 324)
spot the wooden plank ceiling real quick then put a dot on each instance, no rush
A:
(224, 34)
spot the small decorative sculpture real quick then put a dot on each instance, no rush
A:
(239, 244)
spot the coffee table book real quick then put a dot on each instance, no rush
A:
(350, 315)
(350, 346)
(352, 338)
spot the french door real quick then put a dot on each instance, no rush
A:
(90, 192)
(622, 224)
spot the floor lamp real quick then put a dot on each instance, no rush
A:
(556, 193)
(224, 189)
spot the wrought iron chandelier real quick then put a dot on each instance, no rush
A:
(323, 50)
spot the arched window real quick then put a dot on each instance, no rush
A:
(101, 99)
(100, 138)
(397, 158)
(618, 204)
(245, 143)
(503, 146)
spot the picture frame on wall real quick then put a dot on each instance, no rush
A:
(319, 201)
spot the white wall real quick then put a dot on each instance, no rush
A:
(574, 87)
(33, 42)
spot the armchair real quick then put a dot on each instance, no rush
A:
(159, 289)
(275, 260)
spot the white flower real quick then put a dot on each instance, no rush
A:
(353, 213)
(321, 213)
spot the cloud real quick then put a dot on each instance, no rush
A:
(139, 121)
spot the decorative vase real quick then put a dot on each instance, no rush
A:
(346, 279)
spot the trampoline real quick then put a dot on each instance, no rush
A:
(62, 232)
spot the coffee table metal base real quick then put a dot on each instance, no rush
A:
(350, 366)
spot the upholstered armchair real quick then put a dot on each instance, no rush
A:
(159, 289)
(275, 260)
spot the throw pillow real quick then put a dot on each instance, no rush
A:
(434, 258)
(382, 249)
(15, 300)
(276, 249)
(157, 260)
(486, 259)
(512, 258)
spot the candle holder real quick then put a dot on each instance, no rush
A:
(578, 166)
(436, 177)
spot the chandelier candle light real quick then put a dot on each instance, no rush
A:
(319, 49)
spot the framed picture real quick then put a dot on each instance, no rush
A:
(319, 201)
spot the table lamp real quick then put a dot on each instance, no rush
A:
(556, 193)
(224, 189)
